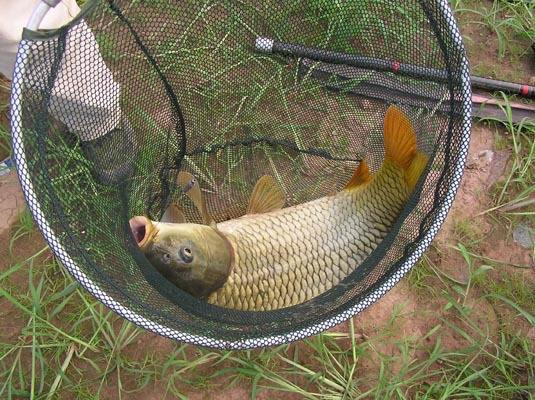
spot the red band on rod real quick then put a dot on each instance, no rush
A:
(395, 66)
(524, 90)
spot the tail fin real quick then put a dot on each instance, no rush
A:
(400, 145)
(412, 174)
(400, 139)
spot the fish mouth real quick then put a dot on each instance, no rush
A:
(142, 230)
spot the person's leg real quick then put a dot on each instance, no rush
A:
(85, 96)
(13, 17)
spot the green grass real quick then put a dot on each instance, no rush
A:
(24, 226)
(85, 347)
(501, 29)
(514, 287)
(514, 196)
(59, 342)
(5, 142)
(467, 232)
(5, 137)
(420, 274)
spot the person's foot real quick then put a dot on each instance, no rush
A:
(113, 154)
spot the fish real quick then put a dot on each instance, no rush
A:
(275, 257)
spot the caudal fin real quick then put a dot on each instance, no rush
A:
(399, 137)
(412, 174)
(400, 145)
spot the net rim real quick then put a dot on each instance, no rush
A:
(245, 343)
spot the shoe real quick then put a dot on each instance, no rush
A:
(112, 154)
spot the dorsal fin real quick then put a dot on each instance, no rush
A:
(173, 214)
(360, 176)
(399, 137)
(267, 196)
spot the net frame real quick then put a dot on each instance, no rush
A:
(378, 291)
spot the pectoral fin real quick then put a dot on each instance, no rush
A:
(267, 196)
(191, 187)
(173, 214)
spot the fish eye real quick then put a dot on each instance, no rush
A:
(186, 254)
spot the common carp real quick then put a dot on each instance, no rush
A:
(275, 257)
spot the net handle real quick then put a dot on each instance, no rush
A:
(39, 13)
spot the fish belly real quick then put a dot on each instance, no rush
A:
(291, 255)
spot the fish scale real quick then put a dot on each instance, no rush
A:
(302, 248)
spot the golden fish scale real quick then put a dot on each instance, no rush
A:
(292, 255)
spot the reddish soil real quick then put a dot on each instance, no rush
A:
(485, 167)
(11, 200)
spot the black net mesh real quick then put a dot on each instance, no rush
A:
(107, 110)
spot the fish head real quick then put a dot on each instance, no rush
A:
(196, 258)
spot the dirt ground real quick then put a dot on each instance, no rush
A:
(485, 166)
(11, 201)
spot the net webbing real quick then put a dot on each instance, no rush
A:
(108, 109)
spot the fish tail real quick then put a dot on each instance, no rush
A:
(412, 174)
(400, 145)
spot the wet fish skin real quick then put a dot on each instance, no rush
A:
(292, 255)
(283, 257)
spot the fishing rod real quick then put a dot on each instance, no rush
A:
(271, 46)
(387, 88)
